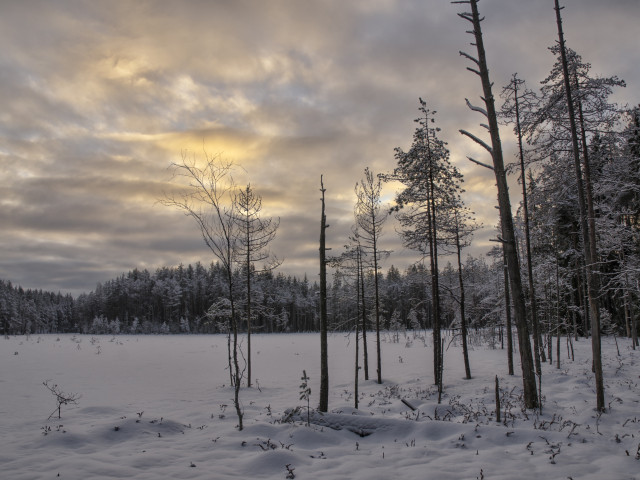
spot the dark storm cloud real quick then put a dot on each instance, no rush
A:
(100, 97)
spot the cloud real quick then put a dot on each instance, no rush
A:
(99, 98)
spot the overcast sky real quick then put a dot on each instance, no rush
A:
(98, 98)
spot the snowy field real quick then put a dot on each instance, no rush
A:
(160, 407)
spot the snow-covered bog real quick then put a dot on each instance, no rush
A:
(154, 407)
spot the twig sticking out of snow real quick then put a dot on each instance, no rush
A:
(62, 398)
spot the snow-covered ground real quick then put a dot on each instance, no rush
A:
(156, 407)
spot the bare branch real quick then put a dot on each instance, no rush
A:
(476, 109)
(480, 163)
(62, 398)
(466, 55)
(477, 140)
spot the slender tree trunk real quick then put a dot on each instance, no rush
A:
(435, 317)
(435, 285)
(433, 261)
(559, 332)
(547, 297)
(587, 223)
(527, 235)
(357, 362)
(570, 347)
(234, 326)
(365, 350)
(324, 362)
(582, 299)
(463, 320)
(507, 307)
(574, 315)
(248, 313)
(627, 314)
(498, 400)
(520, 310)
(377, 304)
(634, 324)
(229, 351)
(627, 309)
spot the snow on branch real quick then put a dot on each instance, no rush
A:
(477, 140)
(476, 109)
(477, 162)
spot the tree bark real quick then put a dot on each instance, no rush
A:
(463, 320)
(248, 311)
(357, 359)
(433, 257)
(507, 303)
(324, 362)
(587, 224)
(537, 341)
(365, 350)
(377, 302)
(520, 310)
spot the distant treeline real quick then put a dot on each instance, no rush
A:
(191, 299)
(180, 300)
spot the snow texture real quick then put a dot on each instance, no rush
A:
(156, 407)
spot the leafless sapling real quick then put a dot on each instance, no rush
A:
(62, 398)
(208, 197)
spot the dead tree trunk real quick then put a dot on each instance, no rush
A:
(463, 320)
(537, 341)
(365, 350)
(324, 362)
(587, 223)
(507, 307)
(357, 359)
(520, 311)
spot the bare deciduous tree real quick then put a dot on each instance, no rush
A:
(62, 398)
(208, 197)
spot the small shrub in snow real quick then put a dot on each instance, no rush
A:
(62, 398)
(290, 469)
(305, 392)
(266, 445)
